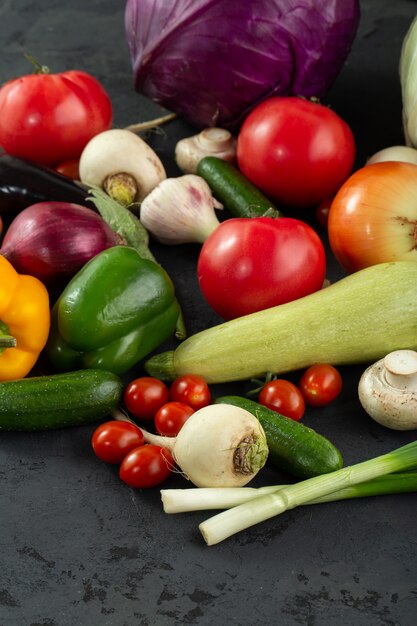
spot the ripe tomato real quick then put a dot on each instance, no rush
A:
(298, 152)
(284, 397)
(70, 169)
(191, 390)
(49, 118)
(112, 440)
(146, 466)
(320, 384)
(248, 265)
(144, 396)
(171, 417)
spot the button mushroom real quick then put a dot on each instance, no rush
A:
(122, 164)
(217, 142)
(388, 390)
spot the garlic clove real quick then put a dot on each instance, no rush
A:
(180, 210)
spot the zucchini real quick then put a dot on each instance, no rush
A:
(293, 447)
(234, 190)
(358, 319)
(58, 400)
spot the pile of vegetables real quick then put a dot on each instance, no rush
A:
(81, 289)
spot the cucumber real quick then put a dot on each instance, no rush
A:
(358, 319)
(59, 400)
(234, 190)
(293, 447)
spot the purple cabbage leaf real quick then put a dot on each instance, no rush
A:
(211, 61)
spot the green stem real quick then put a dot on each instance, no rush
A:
(243, 516)
(200, 499)
(38, 68)
(123, 222)
(7, 341)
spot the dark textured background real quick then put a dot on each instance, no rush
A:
(77, 547)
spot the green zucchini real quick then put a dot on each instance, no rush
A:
(293, 447)
(237, 194)
(58, 400)
(358, 319)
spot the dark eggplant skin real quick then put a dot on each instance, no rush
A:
(23, 183)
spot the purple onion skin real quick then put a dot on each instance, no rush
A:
(212, 61)
(53, 240)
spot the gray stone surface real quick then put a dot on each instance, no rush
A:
(79, 548)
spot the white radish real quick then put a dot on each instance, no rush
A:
(219, 445)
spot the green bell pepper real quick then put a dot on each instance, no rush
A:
(114, 312)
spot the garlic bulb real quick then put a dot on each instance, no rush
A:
(217, 142)
(408, 79)
(180, 210)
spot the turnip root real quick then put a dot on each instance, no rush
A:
(219, 445)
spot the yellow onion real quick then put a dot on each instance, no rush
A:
(373, 217)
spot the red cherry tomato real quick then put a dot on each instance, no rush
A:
(298, 152)
(192, 390)
(248, 265)
(49, 118)
(70, 169)
(322, 212)
(144, 396)
(284, 397)
(112, 440)
(320, 384)
(171, 418)
(146, 466)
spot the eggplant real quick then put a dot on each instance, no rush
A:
(23, 183)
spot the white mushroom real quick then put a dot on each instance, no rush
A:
(217, 142)
(122, 164)
(388, 390)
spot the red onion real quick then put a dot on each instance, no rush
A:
(52, 240)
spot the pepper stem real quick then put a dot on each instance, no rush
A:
(7, 341)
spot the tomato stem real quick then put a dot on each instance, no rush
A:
(38, 68)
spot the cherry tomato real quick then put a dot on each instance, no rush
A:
(192, 390)
(146, 466)
(112, 440)
(284, 397)
(322, 212)
(171, 418)
(49, 118)
(70, 169)
(298, 152)
(320, 384)
(144, 396)
(248, 265)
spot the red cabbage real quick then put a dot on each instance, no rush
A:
(211, 61)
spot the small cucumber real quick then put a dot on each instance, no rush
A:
(234, 190)
(293, 447)
(58, 400)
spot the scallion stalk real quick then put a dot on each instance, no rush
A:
(227, 523)
(205, 498)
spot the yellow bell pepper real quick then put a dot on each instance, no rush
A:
(24, 321)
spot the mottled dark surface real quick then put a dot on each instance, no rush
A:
(77, 547)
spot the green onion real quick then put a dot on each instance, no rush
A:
(248, 514)
(205, 498)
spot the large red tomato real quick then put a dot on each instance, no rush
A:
(248, 265)
(49, 118)
(298, 152)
